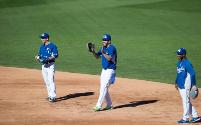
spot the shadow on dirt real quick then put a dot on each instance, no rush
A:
(136, 103)
(75, 95)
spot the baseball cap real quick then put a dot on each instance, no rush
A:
(106, 37)
(181, 51)
(44, 35)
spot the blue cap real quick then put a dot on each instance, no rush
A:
(44, 36)
(106, 37)
(181, 51)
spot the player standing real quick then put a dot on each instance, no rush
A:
(108, 55)
(184, 81)
(47, 54)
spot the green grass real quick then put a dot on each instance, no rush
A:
(146, 33)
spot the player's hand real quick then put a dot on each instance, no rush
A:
(102, 51)
(176, 86)
(37, 57)
(51, 58)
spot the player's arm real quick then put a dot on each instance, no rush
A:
(37, 57)
(97, 55)
(55, 53)
(191, 71)
(109, 55)
(175, 84)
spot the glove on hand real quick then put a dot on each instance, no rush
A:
(91, 47)
(194, 92)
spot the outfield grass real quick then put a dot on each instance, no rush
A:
(146, 33)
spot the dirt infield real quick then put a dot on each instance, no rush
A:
(136, 102)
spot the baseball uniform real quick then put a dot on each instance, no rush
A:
(108, 73)
(47, 51)
(185, 80)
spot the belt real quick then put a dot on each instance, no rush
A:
(108, 68)
(49, 62)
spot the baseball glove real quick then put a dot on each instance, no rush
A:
(91, 47)
(194, 92)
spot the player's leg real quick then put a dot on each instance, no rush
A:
(45, 77)
(107, 77)
(111, 74)
(195, 117)
(190, 108)
(52, 86)
(185, 95)
(103, 88)
(194, 112)
(186, 104)
(108, 99)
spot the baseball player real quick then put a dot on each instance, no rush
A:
(108, 54)
(185, 79)
(47, 54)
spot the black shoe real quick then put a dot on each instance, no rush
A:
(108, 108)
(52, 100)
(194, 120)
(183, 121)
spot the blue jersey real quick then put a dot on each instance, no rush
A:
(111, 51)
(47, 51)
(184, 67)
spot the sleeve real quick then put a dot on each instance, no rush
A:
(190, 70)
(111, 52)
(176, 75)
(55, 52)
(40, 52)
(99, 53)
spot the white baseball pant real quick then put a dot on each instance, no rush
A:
(48, 71)
(107, 78)
(188, 108)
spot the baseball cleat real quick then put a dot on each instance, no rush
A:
(52, 100)
(108, 108)
(183, 121)
(96, 108)
(194, 120)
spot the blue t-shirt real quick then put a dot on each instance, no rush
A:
(111, 51)
(184, 67)
(47, 51)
